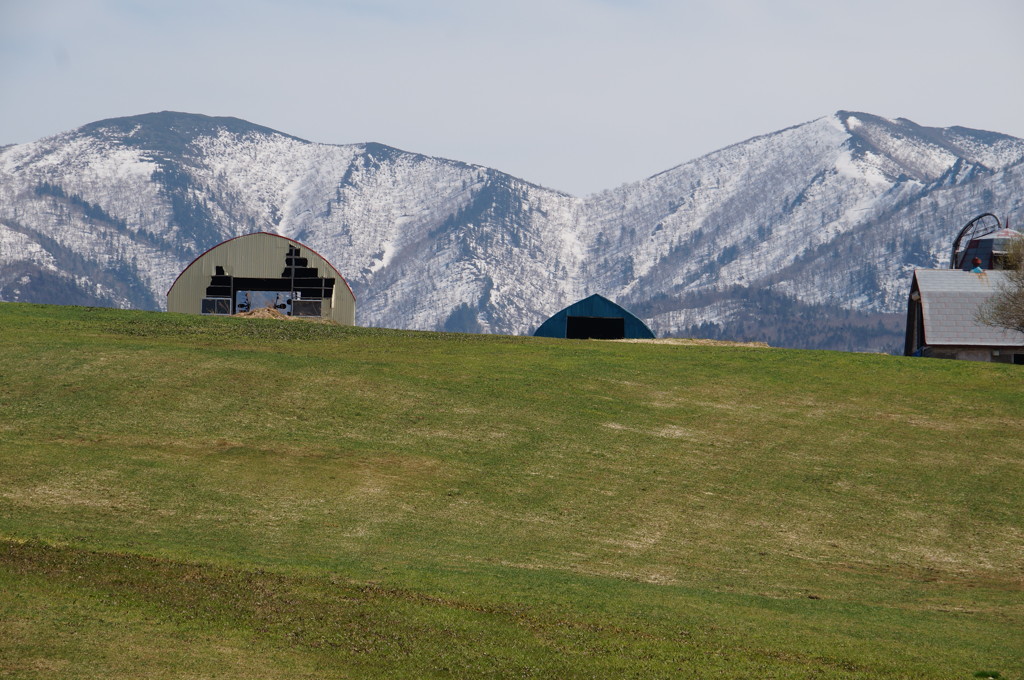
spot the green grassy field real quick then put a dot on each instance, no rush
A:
(187, 497)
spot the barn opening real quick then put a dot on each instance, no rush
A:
(296, 292)
(595, 327)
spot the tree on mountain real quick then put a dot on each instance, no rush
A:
(1005, 309)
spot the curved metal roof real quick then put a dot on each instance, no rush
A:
(1000, 234)
(264, 233)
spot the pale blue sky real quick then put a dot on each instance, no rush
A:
(578, 95)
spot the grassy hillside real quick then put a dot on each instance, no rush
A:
(201, 497)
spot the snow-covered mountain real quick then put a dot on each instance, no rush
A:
(804, 237)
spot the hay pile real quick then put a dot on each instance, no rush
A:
(264, 313)
(271, 313)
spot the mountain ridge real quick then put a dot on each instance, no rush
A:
(823, 219)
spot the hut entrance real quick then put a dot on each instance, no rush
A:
(251, 300)
(597, 327)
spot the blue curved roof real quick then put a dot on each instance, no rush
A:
(594, 306)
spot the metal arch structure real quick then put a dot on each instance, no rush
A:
(263, 269)
(594, 317)
(976, 228)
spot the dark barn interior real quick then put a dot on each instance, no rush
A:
(596, 327)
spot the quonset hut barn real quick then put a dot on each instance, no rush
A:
(263, 270)
(594, 317)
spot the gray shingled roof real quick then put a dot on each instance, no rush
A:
(950, 299)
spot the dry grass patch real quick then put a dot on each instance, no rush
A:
(692, 342)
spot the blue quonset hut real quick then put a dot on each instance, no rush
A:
(594, 317)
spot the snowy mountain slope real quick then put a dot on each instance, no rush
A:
(145, 195)
(828, 213)
(805, 236)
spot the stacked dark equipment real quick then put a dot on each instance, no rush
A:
(298, 278)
